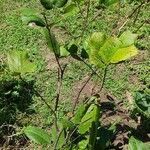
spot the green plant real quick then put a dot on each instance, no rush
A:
(142, 103)
(83, 130)
(135, 144)
(18, 63)
(101, 51)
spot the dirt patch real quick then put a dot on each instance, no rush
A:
(142, 56)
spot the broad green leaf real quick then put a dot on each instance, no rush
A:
(108, 49)
(103, 52)
(54, 134)
(52, 42)
(135, 144)
(127, 38)
(124, 53)
(84, 54)
(142, 102)
(82, 145)
(79, 113)
(70, 9)
(116, 49)
(66, 123)
(92, 46)
(37, 135)
(30, 15)
(18, 62)
(92, 115)
(63, 51)
(50, 4)
(96, 40)
(47, 4)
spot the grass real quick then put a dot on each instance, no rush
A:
(14, 35)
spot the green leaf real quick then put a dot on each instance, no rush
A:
(135, 144)
(84, 54)
(37, 135)
(142, 102)
(55, 135)
(50, 4)
(92, 46)
(30, 15)
(103, 52)
(63, 51)
(47, 4)
(96, 40)
(70, 9)
(116, 49)
(124, 54)
(127, 38)
(79, 113)
(66, 123)
(82, 145)
(108, 49)
(18, 62)
(92, 115)
(52, 43)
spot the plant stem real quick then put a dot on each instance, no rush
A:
(85, 21)
(104, 78)
(56, 143)
(60, 69)
(59, 85)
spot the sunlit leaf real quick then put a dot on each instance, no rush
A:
(92, 115)
(37, 135)
(92, 46)
(96, 40)
(54, 134)
(83, 144)
(18, 62)
(124, 53)
(70, 9)
(108, 49)
(79, 113)
(67, 123)
(103, 52)
(127, 38)
(135, 144)
(63, 51)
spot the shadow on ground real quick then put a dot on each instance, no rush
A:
(15, 96)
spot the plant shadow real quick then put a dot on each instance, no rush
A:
(15, 97)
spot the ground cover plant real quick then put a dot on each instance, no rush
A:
(74, 74)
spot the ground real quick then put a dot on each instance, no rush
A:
(122, 80)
